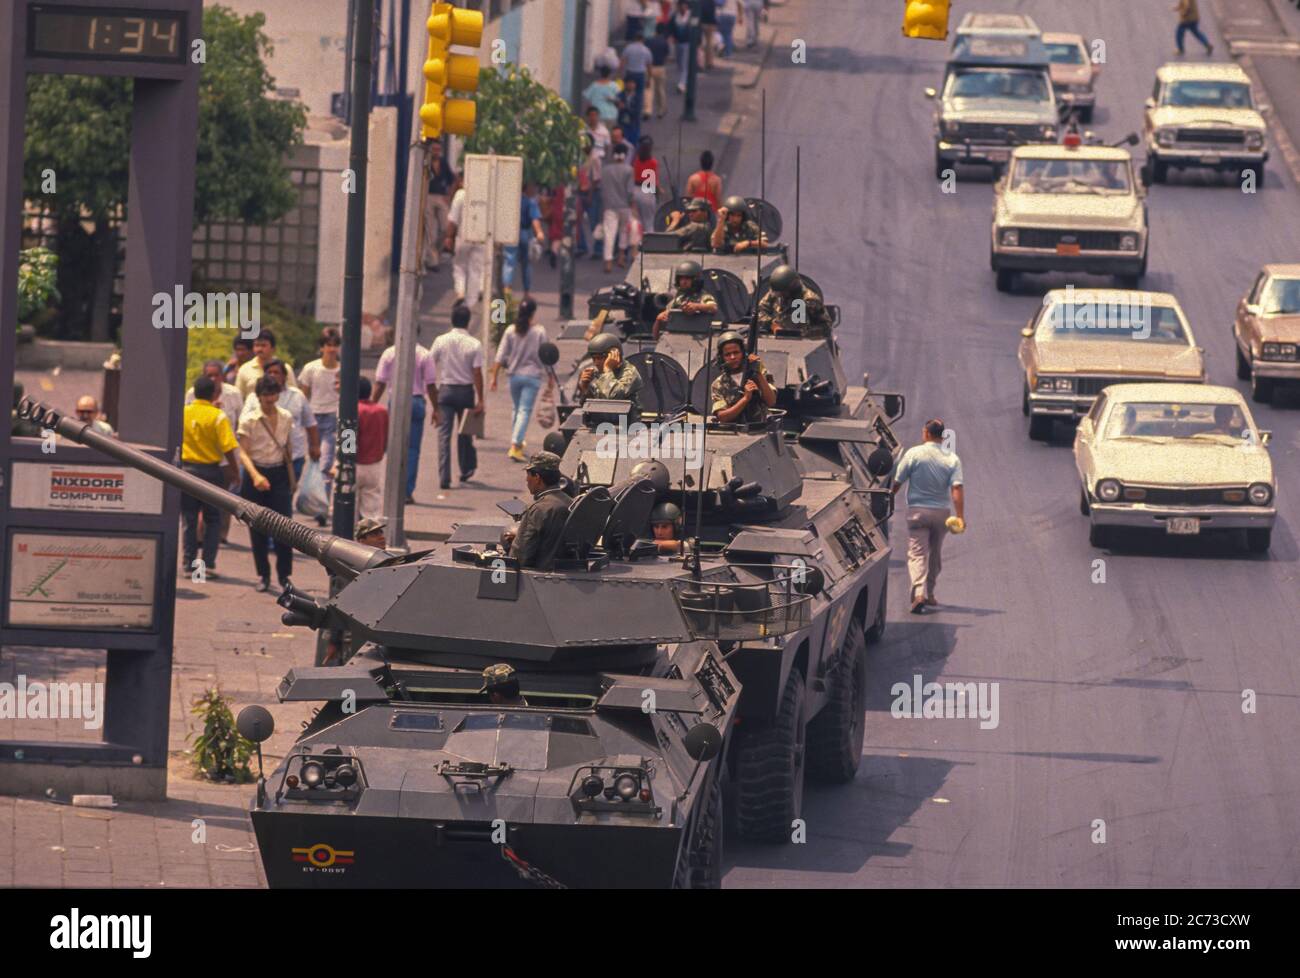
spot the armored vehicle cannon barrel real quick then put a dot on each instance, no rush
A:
(340, 556)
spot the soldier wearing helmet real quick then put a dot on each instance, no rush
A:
(691, 298)
(789, 306)
(536, 541)
(692, 228)
(501, 685)
(736, 231)
(664, 521)
(609, 377)
(743, 390)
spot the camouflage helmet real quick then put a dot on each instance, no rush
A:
(697, 204)
(784, 279)
(735, 204)
(688, 269)
(665, 513)
(730, 336)
(602, 343)
(543, 462)
(370, 525)
(500, 678)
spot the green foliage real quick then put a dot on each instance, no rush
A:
(220, 753)
(296, 337)
(518, 116)
(37, 272)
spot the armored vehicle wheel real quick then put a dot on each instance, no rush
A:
(1258, 541)
(1006, 279)
(877, 630)
(1040, 428)
(699, 867)
(769, 770)
(1261, 389)
(1098, 536)
(1243, 366)
(835, 734)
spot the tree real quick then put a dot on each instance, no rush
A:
(518, 116)
(78, 132)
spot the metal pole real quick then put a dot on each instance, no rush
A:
(490, 255)
(692, 69)
(407, 335)
(567, 270)
(797, 151)
(345, 484)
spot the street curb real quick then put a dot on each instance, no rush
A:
(762, 61)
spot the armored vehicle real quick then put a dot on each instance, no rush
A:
(604, 764)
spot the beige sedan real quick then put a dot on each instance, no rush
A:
(1267, 331)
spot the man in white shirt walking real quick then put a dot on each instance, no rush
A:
(467, 259)
(932, 472)
(457, 359)
(420, 382)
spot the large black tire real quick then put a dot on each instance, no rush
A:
(1099, 536)
(769, 770)
(1243, 365)
(1040, 428)
(941, 166)
(1159, 171)
(1024, 400)
(1006, 279)
(877, 630)
(836, 733)
(699, 865)
(1258, 541)
(1084, 508)
(1261, 389)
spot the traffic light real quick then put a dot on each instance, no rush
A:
(926, 18)
(444, 72)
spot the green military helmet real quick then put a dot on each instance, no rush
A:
(665, 513)
(697, 204)
(602, 343)
(735, 204)
(784, 279)
(688, 269)
(730, 336)
(656, 472)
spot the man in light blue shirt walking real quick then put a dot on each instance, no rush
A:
(932, 473)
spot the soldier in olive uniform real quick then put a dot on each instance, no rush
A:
(665, 524)
(501, 685)
(742, 392)
(609, 377)
(791, 307)
(736, 231)
(695, 233)
(691, 297)
(536, 541)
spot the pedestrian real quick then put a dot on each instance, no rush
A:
(645, 172)
(629, 114)
(305, 435)
(251, 371)
(372, 443)
(421, 380)
(319, 384)
(618, 140)
(1189, 19)
(530, 226)
(751, 11)
(656, 96)
(240, 353)
(708, 31)
(705, 183)
(88, 411)
(932, 473)
(466, 258)
(681, 34)
(588, 181)
(519, 353)
(603, 94)
(208, 447)
(727, 25)
(457, 359)
(269, 481)
(634, 15)
(598, 132)
(441, 177)
(557, 198)
(228, 398)
(617, 189)
(635, 63)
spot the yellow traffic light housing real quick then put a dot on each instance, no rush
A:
(445, 72)
(926, 19)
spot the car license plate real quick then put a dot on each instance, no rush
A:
(1211, 160)
(1183, 525)
(1067, 249)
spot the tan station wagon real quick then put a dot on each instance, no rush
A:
(1069, 208)
(1074, 74)
(1267, 331)
(1084, 340)
(1204, 115)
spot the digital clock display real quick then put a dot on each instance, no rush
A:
(89, 32)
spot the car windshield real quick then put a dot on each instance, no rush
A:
(1030, 176)
(1282, 297)
(1065, 53)
(1208, 94)
(1027, 86)
(1113, 321)
(1221, 423)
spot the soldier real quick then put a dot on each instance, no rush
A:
(791, 307)
(370, 531)
(536, 541)
(694, 234)
(742, 391)
(665, 518)
(501, 685)
(736, 231)
(691, 297)
(609, 377)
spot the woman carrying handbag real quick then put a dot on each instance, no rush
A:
(518, 353)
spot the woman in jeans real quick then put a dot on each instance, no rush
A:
(518, 352)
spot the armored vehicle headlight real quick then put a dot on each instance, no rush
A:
(1272, 350)
(1165, 137)
(312, 774)
(951, 126)
(626, 786)
(1254, 140)
(345, 776)
(1011, 237)
(292, 781)
(1046, 383)
(1128, 242)
(1065, 384)
(592, 785)
(1108, 490)
(1260, 493)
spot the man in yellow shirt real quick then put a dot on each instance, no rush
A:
(207, 444)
